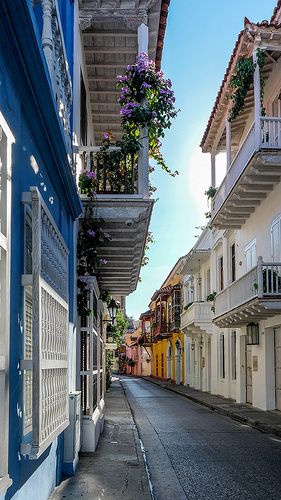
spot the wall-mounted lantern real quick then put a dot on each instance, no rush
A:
(252, 337)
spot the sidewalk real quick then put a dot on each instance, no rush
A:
(264, 421)
(116, 470)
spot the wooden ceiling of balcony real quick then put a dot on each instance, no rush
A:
(109, 31)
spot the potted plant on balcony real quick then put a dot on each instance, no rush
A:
(211, 298)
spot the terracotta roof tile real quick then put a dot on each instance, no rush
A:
(275, 12)
(161, 32)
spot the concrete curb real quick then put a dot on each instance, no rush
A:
(260, 426)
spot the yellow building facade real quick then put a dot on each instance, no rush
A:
(167, 339)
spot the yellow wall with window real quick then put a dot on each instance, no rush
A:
(160, 350)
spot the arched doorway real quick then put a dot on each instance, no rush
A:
(178, 357)
(169, 361)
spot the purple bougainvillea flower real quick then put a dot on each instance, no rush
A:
(91, 233)
(103, 261)
(91, 175)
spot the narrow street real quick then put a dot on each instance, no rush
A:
(196, 454)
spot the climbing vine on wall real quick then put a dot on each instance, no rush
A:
(241, 82)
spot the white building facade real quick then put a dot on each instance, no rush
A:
(236, 351)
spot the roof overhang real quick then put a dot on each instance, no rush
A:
(195, 259)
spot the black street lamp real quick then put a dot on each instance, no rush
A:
(112, 309)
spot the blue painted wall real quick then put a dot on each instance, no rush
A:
(30, 113)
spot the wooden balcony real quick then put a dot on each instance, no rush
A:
(198, 317)
(253, 297)
(161, 330)
(252, 175)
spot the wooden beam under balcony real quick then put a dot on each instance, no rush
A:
(255, 187)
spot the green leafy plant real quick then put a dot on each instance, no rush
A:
(211, 298)
(241, 81)
(188, 305)
(90, 235)
(210, 193)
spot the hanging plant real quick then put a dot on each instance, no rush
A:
(241, 82)
(211, 298)
(210, 193)
(91, 234)
(147, 100)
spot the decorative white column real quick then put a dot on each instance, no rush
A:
(228, 143)
(257, 101)
(143, 162)
(213, 168)
(47, 35)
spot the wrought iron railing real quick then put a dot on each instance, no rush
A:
(116, 172)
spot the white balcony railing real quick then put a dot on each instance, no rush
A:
(271, 132)
(262, 281)
(198, 312)
(270, 138)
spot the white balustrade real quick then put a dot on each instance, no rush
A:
(270, 132)
(270, 138)
(196, 313)
(236, 168)
(261, 281)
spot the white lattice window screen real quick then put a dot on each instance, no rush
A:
(46, 315)
(6, 140)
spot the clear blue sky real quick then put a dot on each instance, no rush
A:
(199, 40)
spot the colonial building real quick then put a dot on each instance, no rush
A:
(245, 217)
(136, 357)
(58, 62)
(166, 334)
(197, 316)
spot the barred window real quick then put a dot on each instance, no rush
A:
(45, 361)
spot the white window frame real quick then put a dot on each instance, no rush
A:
(222, 356)
(250, 246)
(233, 355)
(277, 220)
(5, 248)
(48, 286)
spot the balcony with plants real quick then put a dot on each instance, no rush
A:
(254, 296)
(114, 180)
(246, 126)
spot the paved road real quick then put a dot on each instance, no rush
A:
(196, 454)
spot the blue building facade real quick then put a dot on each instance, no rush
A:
(38, 208)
